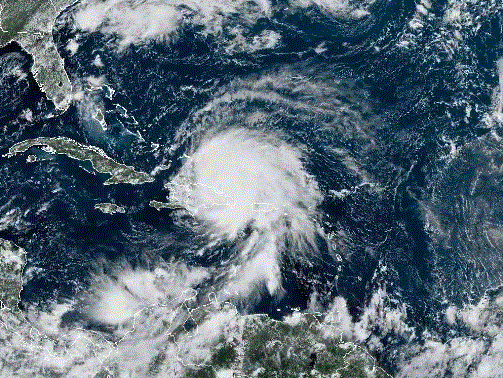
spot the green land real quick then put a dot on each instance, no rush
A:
(30, 23)
(274, 349)
(119, 173)
(12, 262)
(109, 208)
(158, 205)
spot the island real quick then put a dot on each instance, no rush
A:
(120, 173)
(158, 205)
(109, 208)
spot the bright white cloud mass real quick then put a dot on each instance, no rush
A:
(241, 179)
(139, 21)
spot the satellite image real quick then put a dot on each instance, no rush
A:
(251, 188)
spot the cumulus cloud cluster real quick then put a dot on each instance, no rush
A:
(476, 353)
(139, 21)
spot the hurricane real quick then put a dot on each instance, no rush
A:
(241, 181)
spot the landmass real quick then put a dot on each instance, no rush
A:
(215, 341)
(12, 262)
(266, 348)
(120, 173)
(109, 208)
(301, 349)
(177, 338)
(158, 205)
(30, 23)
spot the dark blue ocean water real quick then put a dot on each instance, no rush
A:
(410, 101)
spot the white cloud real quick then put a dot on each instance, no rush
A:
(138, 21)
(124, 293)
(476, 354)
(72, 46)
(239, 179)
(336, 7)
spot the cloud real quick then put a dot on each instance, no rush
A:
(476, 353)
(238, 180)
(139, 21)
(117, 297)
(336, 7)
